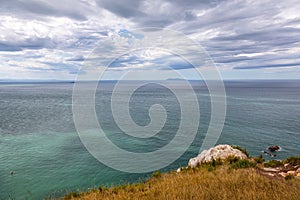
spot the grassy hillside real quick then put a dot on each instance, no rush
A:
(238, 180)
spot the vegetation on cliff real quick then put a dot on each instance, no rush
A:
(220, 179)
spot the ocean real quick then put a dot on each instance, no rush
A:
(39, 142)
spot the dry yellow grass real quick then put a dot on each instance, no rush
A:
(202, 184)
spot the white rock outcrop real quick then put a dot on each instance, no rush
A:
(221, 151)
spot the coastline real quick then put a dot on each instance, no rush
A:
(232, 178)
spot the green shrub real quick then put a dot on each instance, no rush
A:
(242, 164)
(241, 149)
(295, 160)
(211, 166)
(259, 159)
(273, 163)
(216, 162)
(232, 159)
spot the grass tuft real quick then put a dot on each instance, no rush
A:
(294, 160)
(197, 183)
(259, 159)
(240, 164)
(273, 163)
(241, 149)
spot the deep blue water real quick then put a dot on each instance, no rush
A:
(38, 140)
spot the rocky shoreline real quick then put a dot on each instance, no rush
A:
(221, 172)
(288, 168)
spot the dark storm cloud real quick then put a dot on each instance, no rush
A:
(30, 43)
(135, 10)
(9, 47)
(35, 8)
(124, 8)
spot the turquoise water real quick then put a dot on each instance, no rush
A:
(38, 140)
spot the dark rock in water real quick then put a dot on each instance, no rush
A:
(269, 154)
(11, 172)
(274, 148)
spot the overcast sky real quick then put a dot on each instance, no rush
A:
(50, 39)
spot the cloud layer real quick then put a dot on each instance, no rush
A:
(42, 39)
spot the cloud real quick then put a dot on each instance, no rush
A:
(69, 68)
(76, 59)
(125, 8)
(34, 8)
(30, 43)
(57, 36)
(269, 66)
(9, 47)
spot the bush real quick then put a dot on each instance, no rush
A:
(232, 159)
(273, 163)
(216, 162)
(259, 159)
(241, 149)
(211, 166)
(242, 164)
(295, 160)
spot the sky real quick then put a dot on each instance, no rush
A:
(53, 39)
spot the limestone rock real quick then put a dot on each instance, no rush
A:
(286, 165)
(283, 174)
(218, 152)
(269, 169)
(291, 172)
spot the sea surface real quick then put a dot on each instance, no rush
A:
(39, 142)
